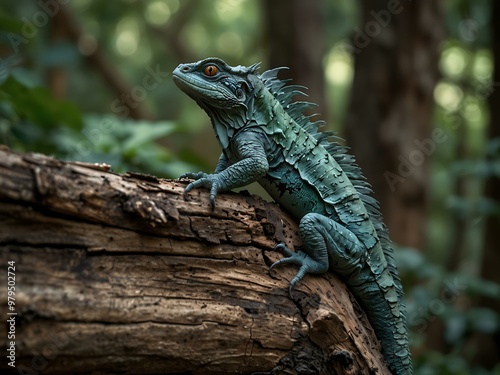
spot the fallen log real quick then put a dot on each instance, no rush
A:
(122, 274)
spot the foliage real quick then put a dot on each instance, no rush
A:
(126, 145)
(32, 120)
(30, 116)
(448, 300)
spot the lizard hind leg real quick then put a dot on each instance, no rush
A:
(325, 241)
(314, 259)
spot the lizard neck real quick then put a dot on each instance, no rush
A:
(227, 121)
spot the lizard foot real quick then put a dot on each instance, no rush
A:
(202, 179)
(307, 264)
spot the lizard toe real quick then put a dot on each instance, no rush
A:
(285, 250)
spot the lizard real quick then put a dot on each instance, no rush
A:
(265, 137)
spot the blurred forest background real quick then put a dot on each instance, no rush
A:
(413, 87)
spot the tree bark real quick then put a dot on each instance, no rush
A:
(122, 274)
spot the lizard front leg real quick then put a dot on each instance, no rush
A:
(222, 164)
(251, 165)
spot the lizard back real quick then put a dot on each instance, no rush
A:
(322, 163)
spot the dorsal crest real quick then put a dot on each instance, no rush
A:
(295, 109)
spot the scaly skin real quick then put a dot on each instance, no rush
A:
(265, 138)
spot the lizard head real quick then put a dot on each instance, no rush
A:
(214, 84)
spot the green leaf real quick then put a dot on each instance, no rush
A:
(144, 132)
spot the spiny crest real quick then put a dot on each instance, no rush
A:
(284, 94)
(244, 70)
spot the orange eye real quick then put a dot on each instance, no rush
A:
(211, 70)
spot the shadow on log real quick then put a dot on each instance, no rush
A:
(121, 274)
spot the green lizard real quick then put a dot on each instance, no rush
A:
(265, 137)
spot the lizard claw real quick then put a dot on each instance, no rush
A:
(193, 175)
(281, 247)
(292, 258)
(306, 263)
(202, 179)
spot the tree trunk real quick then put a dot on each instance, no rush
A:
(487, 356)
(295, 31)
(121, 274)
(388, 124)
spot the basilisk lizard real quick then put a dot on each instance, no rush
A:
(265, 137)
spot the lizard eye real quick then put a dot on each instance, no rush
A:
(211, 70)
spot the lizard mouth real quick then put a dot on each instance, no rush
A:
(190, 85)
(182, 82)
(200, 90)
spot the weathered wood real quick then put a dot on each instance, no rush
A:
(121, 274)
